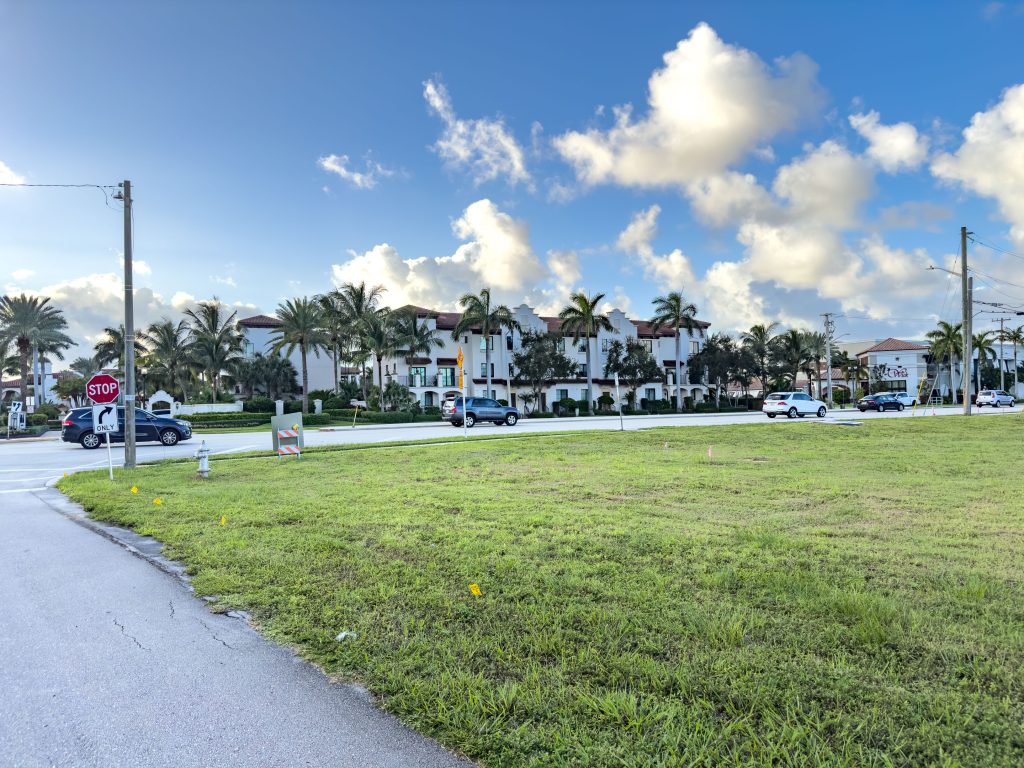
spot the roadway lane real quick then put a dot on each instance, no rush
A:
(29, 465)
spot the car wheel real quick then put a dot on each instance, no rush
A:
(90, 440)
(511, 419)
(899, 407)
(770, 415)
(169, 437)
(791, 413)
(821, 412)
(470, 420)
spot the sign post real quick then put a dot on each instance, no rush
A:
(104, 421)
(104, 390)
(462, 386)
(622, 426)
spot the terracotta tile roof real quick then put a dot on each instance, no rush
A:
(644, 329)
(259, 321)
(894, 345)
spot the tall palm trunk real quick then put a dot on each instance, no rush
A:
(23, 384)
(380, 377)
(305, 379)
(487, 359)
(679, 371)
(1015, 369)
(590, 382)
(334, 362)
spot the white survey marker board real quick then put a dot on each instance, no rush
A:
(104, 418)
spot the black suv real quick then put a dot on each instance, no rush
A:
(77, 428)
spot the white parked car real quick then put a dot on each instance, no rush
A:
(908, 399)
(993, 397)
(793, 404)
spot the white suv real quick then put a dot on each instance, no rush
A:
(993, 397)
(792, 404)
(909, 399)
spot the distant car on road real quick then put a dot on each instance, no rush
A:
(883, 401)
(793, 404)
(478, 409)
(77, 428)
(909, 399)
(994, 397)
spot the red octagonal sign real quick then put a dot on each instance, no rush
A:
(103, 388)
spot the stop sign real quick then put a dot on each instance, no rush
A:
(103, 388)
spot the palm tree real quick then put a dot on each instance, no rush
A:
(814, 341)
(1014, 336)
(947, 342)
(110, 348)
(215, 339)
(335, 327)
(676, 312)
(581, 320)
(792, 354)
(415, 339)
(301, 327)
(170, 354)
(853, 369)
(760, 342)
(31, 323)
(354, 303)
(477, 310)
(380, 338)
(982, 343)
(85, 366)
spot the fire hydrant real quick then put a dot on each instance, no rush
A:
(203, 454)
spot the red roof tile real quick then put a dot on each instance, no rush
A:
(894, 345)
(259, 321)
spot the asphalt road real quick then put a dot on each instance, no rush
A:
(29, 465)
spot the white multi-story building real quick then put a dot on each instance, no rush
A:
(433, 378)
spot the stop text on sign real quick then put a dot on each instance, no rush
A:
(103, 388)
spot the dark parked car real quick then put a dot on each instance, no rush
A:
(879, 402)
(479, 409)
(77, 428)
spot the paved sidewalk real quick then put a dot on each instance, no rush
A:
(108, 662)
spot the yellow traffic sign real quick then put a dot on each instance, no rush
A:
(459, 358)
(460, 378)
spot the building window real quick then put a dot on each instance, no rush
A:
(446, 377)
(648, 344)
(582, 368)
(585, 395)
(418, 376)
(250, 350)
(694, 347)
(508, 342)
(483, 370)
(605, 344)
(563, 394)
(651, 393)
(561, 343)
(490, 343)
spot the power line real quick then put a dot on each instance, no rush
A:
(996, 248)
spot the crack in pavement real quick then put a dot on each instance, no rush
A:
(125, 633)
(171, 604)
(214, 636)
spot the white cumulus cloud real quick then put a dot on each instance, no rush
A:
(671, 271)
(711, 104)
(990, 161)
(367, 179)
(8, 176)
(894, 147)
(485, 148)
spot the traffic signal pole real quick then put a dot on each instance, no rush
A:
(129, 333)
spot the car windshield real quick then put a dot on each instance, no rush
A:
(777, 396)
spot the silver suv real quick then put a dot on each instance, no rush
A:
(993, 397)
(479, 409)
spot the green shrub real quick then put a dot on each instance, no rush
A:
(502, 401)
(238, 419)
(541, 415)
(49, 410)
(36, 419)
(293, 406)
(320, 394)
(432, 410)
(259, 405)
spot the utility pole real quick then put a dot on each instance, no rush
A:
(830, 326)
(129, 332)
(965, 297)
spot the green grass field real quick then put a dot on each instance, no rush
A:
(807, 595)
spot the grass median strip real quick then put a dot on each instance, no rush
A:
(800, 595)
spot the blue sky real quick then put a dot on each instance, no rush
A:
(510, 170)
